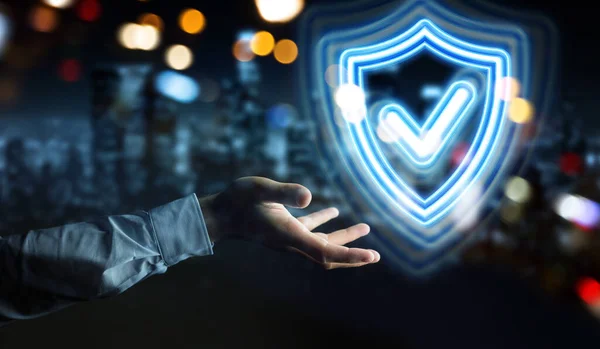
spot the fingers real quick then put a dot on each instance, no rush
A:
(266, 190)
(342, 254)
(323, 251)
(314, 220)
(342, 262)
(344, 236)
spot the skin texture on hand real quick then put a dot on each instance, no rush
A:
(254, 208)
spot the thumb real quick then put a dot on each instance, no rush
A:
(267, 190)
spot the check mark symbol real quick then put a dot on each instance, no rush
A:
(423, 142)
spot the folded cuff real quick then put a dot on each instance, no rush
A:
(180, 230)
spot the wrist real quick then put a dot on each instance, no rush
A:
(210, 218)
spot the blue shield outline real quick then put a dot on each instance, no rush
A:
(430, 234)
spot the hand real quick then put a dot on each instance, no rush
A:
(253, 208)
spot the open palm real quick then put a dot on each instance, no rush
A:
(255, 208)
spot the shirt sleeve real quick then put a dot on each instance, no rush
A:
(45, 270)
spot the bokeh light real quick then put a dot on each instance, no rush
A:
(147, 37)
(59, 3)
(286, 51)
(583, 212)
(126, 35)
(153, 20)
(143, 37)
(281, 116)
(177, 86)
(518, 190)
(192, 21)
(508, 88)
(43, 19)
(567, 206)
(589, 290)
(70, 70)
(332, 75)
(179, 57)
(279, 11)
(520, 111)
(89, 10)
(242, 50)
(351, 100)
(262, 43)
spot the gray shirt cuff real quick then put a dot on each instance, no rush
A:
(180, 230)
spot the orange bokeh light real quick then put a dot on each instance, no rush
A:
(152, 20)
(43, 19)
(192, 21)
(286, 51)
(242, 51)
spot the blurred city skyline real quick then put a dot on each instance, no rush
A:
(41, 93)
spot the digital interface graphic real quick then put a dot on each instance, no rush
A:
(425, 172)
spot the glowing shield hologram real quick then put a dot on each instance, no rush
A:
(380, 149)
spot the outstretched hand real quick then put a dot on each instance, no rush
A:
(254, 208)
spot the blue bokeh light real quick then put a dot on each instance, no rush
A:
(177, 86)
(280, 116)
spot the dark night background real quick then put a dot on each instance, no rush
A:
(247, 296)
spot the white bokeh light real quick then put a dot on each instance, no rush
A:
(139, 37)
(568, 206)
(578, 210)
(279, 11)
(127, 35)
(59, 3)
(518, 190)
(179, 57)
(147, 37)
(351, 100)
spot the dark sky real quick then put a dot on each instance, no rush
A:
(44, 93)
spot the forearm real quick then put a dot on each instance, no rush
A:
(45, 270)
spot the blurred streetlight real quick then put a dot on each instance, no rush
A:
(286, 51)
(139, 37)
(43, 19)
(59, 3)
(242, 50)
(520, 111)
(177, 86)
(262, 43)
(179, 57)
(279, 11)
(89, 10)
(192, 21)
(151, 19)
(147, 37)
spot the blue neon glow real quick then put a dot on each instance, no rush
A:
(429, 92)
(417, 229)
(177, 86)
(416, 140)
(426, 35)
